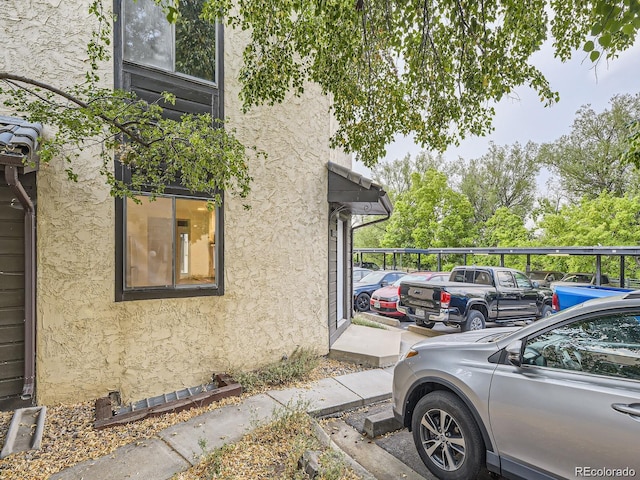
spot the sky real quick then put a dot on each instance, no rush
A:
(524, 118)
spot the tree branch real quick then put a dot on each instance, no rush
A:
(9, 77)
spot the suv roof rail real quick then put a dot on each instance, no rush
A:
(634, 294)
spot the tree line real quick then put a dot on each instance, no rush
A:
(591, 197)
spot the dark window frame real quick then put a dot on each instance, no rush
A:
(213, 103)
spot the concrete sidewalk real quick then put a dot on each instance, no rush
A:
(178, 447)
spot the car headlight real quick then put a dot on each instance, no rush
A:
(394, 299)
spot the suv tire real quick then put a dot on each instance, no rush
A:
(459, 452)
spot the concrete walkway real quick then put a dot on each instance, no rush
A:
(178, 447)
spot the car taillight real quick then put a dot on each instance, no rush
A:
(445, 298)
(555, 304)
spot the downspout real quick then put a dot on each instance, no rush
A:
(11, 176)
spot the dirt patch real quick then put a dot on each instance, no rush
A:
(69, 437)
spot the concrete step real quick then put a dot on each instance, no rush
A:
(381, 423)
(25, 430)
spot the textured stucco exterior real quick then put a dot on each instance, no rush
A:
(275, 257)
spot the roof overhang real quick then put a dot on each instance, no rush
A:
(19, 143)
(356, 193)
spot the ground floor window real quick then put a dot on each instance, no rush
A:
(170, 245)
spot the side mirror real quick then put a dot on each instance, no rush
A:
(514, 353)
(535, 284)
(384, 283)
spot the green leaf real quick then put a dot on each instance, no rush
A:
(605, 40)
(594, 55)
(588, 47)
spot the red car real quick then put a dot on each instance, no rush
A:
(385, 300)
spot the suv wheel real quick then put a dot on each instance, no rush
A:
(447, 437)
(475, 321)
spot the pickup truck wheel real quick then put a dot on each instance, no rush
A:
(363, 302)
(429, 324)
(447, 437)
(475, 321)
(546, 311)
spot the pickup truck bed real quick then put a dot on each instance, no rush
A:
(565, 296)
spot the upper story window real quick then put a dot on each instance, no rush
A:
(187, 46)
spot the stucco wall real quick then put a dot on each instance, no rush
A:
(275, 254)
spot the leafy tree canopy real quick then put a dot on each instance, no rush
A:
(430, 214)
(395, 176)
(590, 159)
(503, 177)
(428, 69)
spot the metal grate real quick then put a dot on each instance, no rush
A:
(166, 398)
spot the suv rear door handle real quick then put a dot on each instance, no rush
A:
(633, 409)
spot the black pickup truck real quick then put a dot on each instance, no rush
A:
(473, 296)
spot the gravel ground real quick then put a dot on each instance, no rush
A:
(69, 436)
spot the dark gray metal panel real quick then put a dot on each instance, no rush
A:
(358, 194)
(558, 251)
(12, 295)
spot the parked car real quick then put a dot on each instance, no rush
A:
(545, 277)
(573, 279)
(385, 300)
(559, 398)
(358, 273)
(363, 289)
(369, 265)
(474, 295)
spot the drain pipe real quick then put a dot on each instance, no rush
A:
(11, 176)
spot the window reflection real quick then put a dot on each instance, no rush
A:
(187, 47)
(604, 346)
(170, 241)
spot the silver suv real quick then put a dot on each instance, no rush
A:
(559, 398)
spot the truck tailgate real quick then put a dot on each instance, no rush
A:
(426, 297)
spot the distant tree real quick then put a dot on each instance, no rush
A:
(604, 220)
(591, 159)
(505, 229)
(503, 177)
(430, 214)
(395, 176)
(369, 236)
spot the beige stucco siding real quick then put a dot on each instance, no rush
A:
(275, 258)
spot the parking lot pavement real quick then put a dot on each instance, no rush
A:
(390, 456)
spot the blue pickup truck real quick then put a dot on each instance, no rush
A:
(565, 296)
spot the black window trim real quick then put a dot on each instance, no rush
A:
(120, 68)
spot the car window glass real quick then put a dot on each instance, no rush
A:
(505, 279)
(458, 276)
(373, 277)
(607, 345)
(521, 280)
(482, 278)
